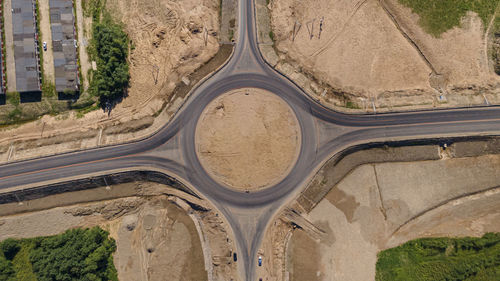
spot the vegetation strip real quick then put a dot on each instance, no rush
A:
(438, 16)
(109, 48)
(436, 259)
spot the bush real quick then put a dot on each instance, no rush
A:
(9, 248)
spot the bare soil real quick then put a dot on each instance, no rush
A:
(372, 54)
(353, 51)
(167, 34)
(154, 238)
(362, 225)
(46, 36)
(157, 232)
(169, 43)
(248, 139)
(83, 26)
(382, 205)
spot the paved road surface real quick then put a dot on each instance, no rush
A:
(324, 133)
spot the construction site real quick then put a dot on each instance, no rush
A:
(376, 56)
(282, 187)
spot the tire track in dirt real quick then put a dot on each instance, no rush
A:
(407, 37)
(485, 40)
(331, 40)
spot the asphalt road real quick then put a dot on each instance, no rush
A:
(324, 133)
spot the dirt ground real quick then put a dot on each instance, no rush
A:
(374, 55)
(248, 139)
(46, 36)
(169, 44)
(157, 233)
(379, 206)
(83, 26)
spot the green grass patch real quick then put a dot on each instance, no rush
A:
(15, 115)
(496, 23)
(13, 98)
(271, 35)
(21, 263)
(48, 88)
(93, 8)
(436, 259)
(351, 105)
(77, 254)
(438, 16)
(80, 113)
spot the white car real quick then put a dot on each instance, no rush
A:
(44, 45)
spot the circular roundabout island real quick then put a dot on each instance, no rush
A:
(248, 139)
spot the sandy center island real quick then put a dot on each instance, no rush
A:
(248, 139)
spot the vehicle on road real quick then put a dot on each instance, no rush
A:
(260, 260)
(235, 257)
(44, 45)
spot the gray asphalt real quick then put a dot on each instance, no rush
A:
(324, 133)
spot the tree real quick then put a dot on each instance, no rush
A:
(77, 254)
(110, 43)
(6, 271)
(10, 247)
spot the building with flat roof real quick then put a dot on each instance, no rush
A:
(62, 23)
(26, 56)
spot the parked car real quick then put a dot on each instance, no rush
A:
(44, 45)
(260, 260)
(235, 257)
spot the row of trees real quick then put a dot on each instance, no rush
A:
(109, 49)
(110, 44)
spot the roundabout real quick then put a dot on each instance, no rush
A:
(284, 139)
(247, 139)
